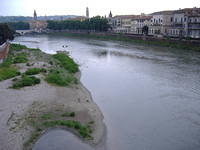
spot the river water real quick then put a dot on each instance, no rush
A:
(149, 96)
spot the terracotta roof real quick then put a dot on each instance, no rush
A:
(166, 12)
(136, 17)
(126, 16)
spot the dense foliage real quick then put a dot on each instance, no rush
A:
(19, 25)
(6, 33)
(95, 24)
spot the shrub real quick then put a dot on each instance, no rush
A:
(67, 114)
(20, 58)
(33, 71)
(25, 81)
(66, 62)
(58, 78)
(17, 47)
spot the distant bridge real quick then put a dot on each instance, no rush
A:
(22, 32)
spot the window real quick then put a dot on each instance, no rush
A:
(171, 19)
(185, 19)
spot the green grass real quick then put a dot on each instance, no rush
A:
(46, 116)
(33, 71)
(18, 47)
(84, 131)
(69, 114)
(20, 58)
(8, 72)
(25, 81)
(60, 78)
(66, 62)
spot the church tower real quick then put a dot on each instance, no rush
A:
(35, 15)
(110, 15)
(87, 12)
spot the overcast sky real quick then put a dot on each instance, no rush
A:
(100, 7)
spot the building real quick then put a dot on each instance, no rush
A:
(139, 22)
(37, 25)
(35, 15)
(130, 24)
(180, 23)
(193, 24)
(121, 23)
(160, 23)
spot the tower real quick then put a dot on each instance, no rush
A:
(87, 12)
(110, 14)
(35, 15)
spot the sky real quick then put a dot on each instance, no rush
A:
(100, 7)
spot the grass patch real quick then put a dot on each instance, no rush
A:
(33, 71)
(25, 81)
(20, 58)
(60, 78)
(69, 114)
(66, 62)
(84, 131)
(46, 116)
(18, 47)
(8, 72)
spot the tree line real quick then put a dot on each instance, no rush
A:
(19, 25)
(97, 23)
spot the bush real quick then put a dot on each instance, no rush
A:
(17, 47)
(8, 72)
(33, 71)
(66, 62)
(25, 81)
(58, 78)
(20, 58)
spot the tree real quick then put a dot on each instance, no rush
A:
(5, 33)
(19, 25)
(97, 23)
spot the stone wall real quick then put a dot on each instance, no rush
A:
(4, 49)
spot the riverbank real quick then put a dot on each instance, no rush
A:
(26, 109)
(148, 40)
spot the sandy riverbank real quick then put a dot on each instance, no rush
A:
(15, 105)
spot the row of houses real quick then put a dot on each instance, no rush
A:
(175, 23)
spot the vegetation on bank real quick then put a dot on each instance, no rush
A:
(61, 72)
(8, 72)
(25, 81)
(55, 118)
(97, 23)
(34, 71)
(66, 62)
(121, 37)
(60, 78)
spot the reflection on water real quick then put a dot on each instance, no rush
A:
(150, 96)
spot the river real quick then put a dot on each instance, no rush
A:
(149, 96)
